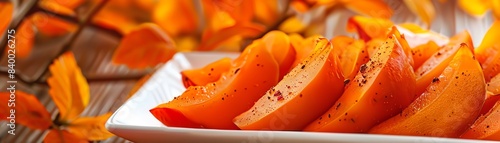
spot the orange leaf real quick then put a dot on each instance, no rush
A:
(25, 36)
(266, 11)
(227, 5)
(423, 8)
(91, 128)
(176, 16)
(51, 26)
(114, 20)
(26, 109)
(211, 40)
(53, 6)
(62, 136)
(145, 46)
(372, 8)
(68, 87)
(6, 10)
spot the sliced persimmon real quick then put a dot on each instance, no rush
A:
(304, 94)
(216, 104)
(493, 85)
(491, 64)
(382, 88)
(303, 47)
(208, 74)
(436, 64)
(487, 126)
(352, 54)
(423, 52)
(369, 28)
(448, 106)
(372, 46)
(279, 45)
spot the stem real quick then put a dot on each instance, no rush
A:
(67, 46)
(15, 22)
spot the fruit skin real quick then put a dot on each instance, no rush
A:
(216, 104)
(304, 94)
(423, 52)
(208, 74)
(447, 107)
(282, 50)
(487, 126)
(383, 87)
(436, 64)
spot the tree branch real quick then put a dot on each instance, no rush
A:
(67, 46)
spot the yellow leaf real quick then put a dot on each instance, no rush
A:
(6, 11)
(62, 136)
(292, 25)
(423, 8)
(91, 128)
(372, 8)
(26, 109)
(51, 26)
(176, 16)
(145, 46)
(68, 87)
(475, 7)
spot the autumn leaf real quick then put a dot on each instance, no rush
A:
(115, 21)
(266, 11)
(210, 41)
(6, 11)
(372, 8)
(62, 136)
(68, 87)
(51, 26)
(52, 5)
(489, 45)
(28, 110)
(176, 16)
(91, 128)
(423, 8)
(145, 46)
(25, 35)
(292, 25)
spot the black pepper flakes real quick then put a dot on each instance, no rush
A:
(435, 80)
(303, 66)
(346, 81)
(363, 68)
(338, 105)
(236, 71)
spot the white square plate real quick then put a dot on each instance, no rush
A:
(134, 122)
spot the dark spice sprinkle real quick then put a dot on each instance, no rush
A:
(328, 115)
(439, 53)
(338, 105)
(352, 120)
(435, 79)
(222, 98)
(236, 71)
(303, 66)
(363, 68)
(209, 74)
(300, 95)
(277, 93)
(211, 69)
(456, 77)
(346, 81)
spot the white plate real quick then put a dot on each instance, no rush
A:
(134, 122)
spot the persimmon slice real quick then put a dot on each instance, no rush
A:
(216, 104)
(304, 94)
(208, 74)
(448, 106)
(383, 87)
(487, 126)
(435, 65)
